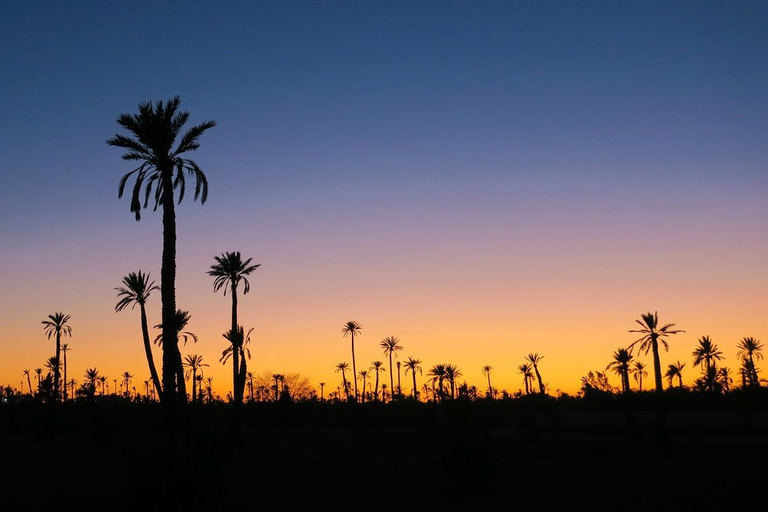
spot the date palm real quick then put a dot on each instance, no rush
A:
(706, 354)
(413, 365)
(437, 377)
(57, 326)
(391, 345)
(639, 373)
(377, 367)
(127, 376)
(363, 374)
(343, 367)
(535, 359)
(526, 370)
(152, 134)
(238, 350)
(675, 371)
(91, 376)
(29, 381)
(452, 373)
(652, 334)
(228, 271)
(487, 372)
(64, 349)
(749, 350)
(351, 329)
(194, 364)
(135, 291)
(622, 358)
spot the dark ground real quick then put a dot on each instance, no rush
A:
(110, 457)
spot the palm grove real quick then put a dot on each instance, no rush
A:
(158, 147)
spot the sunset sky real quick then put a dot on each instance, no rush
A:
(482, 180)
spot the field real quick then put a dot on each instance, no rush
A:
(514, 454)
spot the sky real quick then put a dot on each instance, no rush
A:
(483, 180)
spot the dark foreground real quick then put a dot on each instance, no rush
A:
(109, 456)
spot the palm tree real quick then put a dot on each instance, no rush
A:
(652, 335)
(390, 344)
(56, 325)
(535, 359)
(29, 381)
(227, 272)
(322, 387)
(487, 372)
(639, 372)
(194, 363)
(180, 320)
(378, 367)
(154, 131)
(437, 376)
(91, 376)
(414, 365)
(127, 379)
(64, 349)
(363, 377)
(452, 373)
(675, 370)
(343, 367)
(135, 291)
(238, 350)
(707, 353)
(620, 366)
(350, 329)
(749, 350)
(526, 370)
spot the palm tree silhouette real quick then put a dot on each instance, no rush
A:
(707, 353)
(194, 363)
(620, 366)
(91, 376)
(29, 381)
(227, 272)
(639, 372)
(437, 376)
(377, 366)
(535, 359)
(414, 365)
(350, 329)
(64, 349)
(652, 335)
(363, 378)
(153, 133)
(135, 291)
(39, 375)
(675, 370)
(487, 372)
(322, 387)
(750, 349)
(391, 346)
(526, 370)
(238, 350)
(451, 374)
(343, 367)
(127, 380)
(56, 325)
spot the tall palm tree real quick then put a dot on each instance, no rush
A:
(194, 363)
(127, 380)
(750, 349)
(135, 291)
(391, 345)
(351, 329)
(228, 271)
(653, 334)
(639, 372)
(103, 380)
(675, 371)
(56, 325)
(414, 365)
(535, 359)
(378, 367)
(525, 370)
(161, 167)
(620, 366)
(487, 372)
(363, 378)
(452, 373)
(238, 350)
(29, 381)
(706, 354)
(343, 367)
(64, 349)
(437, 376)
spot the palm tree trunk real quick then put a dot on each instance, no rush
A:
(168, 294)
(148, 352)
(542, 390)
(657, 368)
(56, 370)
(354, 367)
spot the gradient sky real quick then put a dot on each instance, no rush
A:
(483, 180)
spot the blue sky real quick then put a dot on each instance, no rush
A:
(395, 147)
